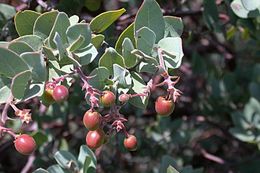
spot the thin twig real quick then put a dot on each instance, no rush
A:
(29, 164)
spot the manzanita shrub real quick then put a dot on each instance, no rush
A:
(53, 50)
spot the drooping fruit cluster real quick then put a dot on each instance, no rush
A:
(25, 144)
(95, 123)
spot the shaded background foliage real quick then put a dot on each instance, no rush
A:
(216, 124)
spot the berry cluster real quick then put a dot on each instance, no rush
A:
(94, 122)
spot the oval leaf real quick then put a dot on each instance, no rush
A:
(80, 29)
(172, 51)
(44, 24)
(11, 64)
(127, 33)
(24, 22)
(150, 15)
(19, 47)
(173, 26)
(64, 158)
(60, 26)
(33, 41)
(37, 65)
(130, 59)
(19, 84)
(101, 22)
(251, 4)
(111, 57)
(145, 40)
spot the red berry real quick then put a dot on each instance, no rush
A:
(25, 144)
(95, 139)
(164, 107)
(130, 143)
(91, 120)
(108, 98)
(124, 98)
(60, 93)
(46, 97)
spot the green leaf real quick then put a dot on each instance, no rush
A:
(40, 170)
(210, 15)
(19, 47)
(64, 144)
(80, 29)
(5, 90)
(76, 44)
(145, 40)
(111, 57)
(86, 55)
(239, 9)
(84, 153)
(97, 40)
(149, 66)
(171, 169)
(127, 33)
(24, 22)
(243, 135)
(40, 138)
(55, 169)
(101, 22)
(74, 20)
(65, 159)
(122, 77)
(252, 110)
(138, 87)
(173, 26)
(251, 4)
(33, 41)
(165, 163)
(60, 26)
(60, 46)
(130, 59)
(8, 11)
(87, 168)
(150, 15)
(11, 64)
(44, 24)
(49, 54)
(33, 90)
(19, 84)
(100, 75)
(37, 65)
(172, 51)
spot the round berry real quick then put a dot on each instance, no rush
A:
(95, 139)
(91, 120)
(124, 98)
(46, 97)
(130, 143)
(25, 144)
(60, 93)
(108, 98)
(164, 107)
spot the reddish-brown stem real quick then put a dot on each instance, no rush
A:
(4, 116)
(7, 130)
